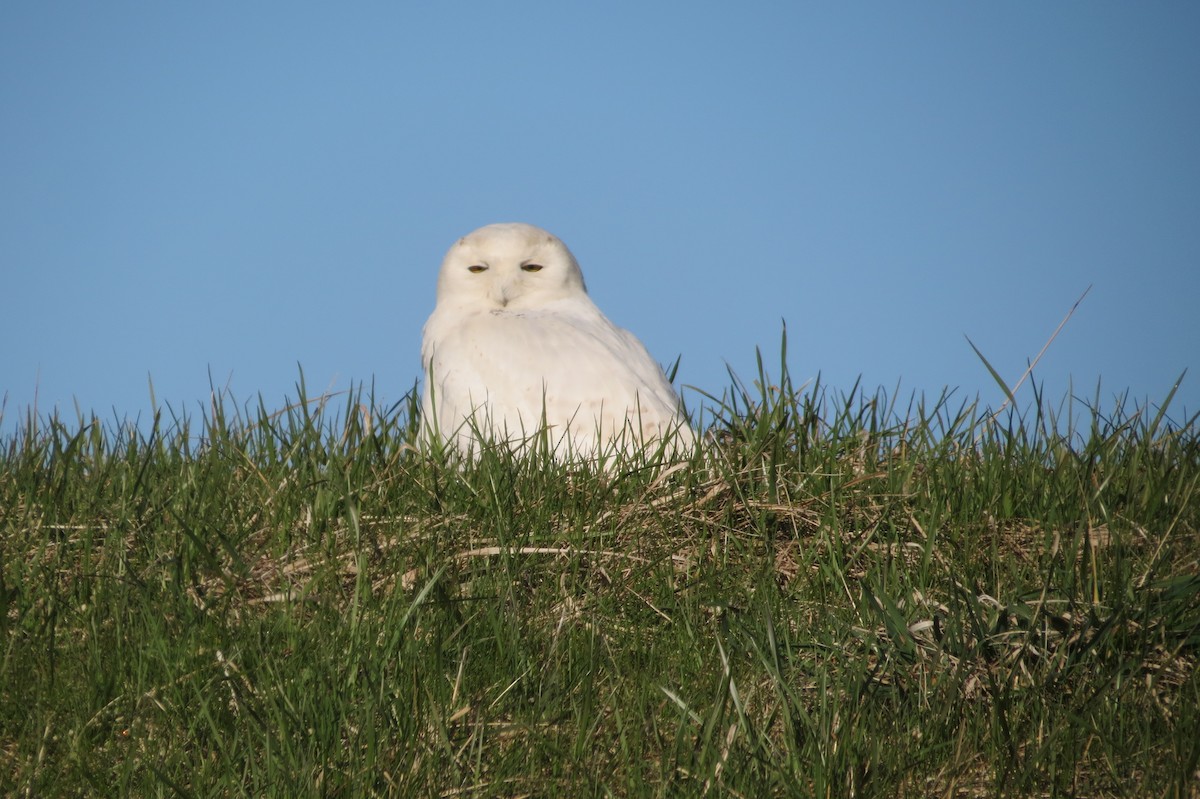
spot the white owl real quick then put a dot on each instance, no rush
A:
(516, 346)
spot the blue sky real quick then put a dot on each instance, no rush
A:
(231, 190)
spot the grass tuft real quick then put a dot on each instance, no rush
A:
(838, 595)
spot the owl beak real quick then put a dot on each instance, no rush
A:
(500, 294)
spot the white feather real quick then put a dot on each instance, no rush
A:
(515, 340)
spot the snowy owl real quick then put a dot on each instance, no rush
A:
(515, 346)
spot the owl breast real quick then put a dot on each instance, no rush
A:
(570, 372)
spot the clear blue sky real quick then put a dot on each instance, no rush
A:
(238, 188)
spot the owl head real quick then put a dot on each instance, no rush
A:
(509, 266)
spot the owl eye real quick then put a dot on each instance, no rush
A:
(476, 268)
(532, 267)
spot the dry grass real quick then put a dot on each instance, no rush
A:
(831, 599)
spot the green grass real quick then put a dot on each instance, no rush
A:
(841, 596)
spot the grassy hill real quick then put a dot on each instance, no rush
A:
(838, 596)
